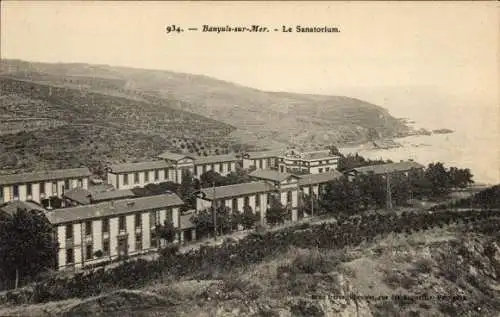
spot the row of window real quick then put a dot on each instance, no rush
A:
(156, 177)
(41, 186)
(154, 219)
(122, 246)
(246, 200)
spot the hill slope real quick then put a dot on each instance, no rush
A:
(46, 126)
(261, 117)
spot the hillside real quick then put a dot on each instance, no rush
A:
(48, 126)
(420, 265)
(261, 118)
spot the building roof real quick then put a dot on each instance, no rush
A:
(316, 155)
(186, 222)
(11, 207)
(47, 175)
(173, 156)
(216, 159)
(113, 208)
(263, 154)
(138, 167)
(236, 190)
(271, 175)
(312, 179)
(81, 195)
(388, 168)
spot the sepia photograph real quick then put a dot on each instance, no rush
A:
(249, 158)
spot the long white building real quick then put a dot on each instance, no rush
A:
(37, 186)
(131, 175)
(116, 228)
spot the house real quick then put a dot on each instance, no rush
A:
(187, 229)
(261, 159)
(90, 234)
(403, 167)
(235, 197)
(80, 196)
(222, 164)
(313, 162)
(314, 183)
(130, 175)
(10, 208)
(285, 185)
(38, 186)
(180, 164)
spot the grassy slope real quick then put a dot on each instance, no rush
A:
(82, 127)
(297, 283)
(261, 117)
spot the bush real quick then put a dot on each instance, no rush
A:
(424, 266)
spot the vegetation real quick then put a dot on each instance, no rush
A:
(27, 247)
(209, 261)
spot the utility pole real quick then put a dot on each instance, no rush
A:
(389, 197)
(312, 203)
(214, 212)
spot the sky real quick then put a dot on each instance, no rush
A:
(435, 62)
(449, 47)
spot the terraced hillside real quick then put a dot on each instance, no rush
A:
(66, 127)
(262, 118)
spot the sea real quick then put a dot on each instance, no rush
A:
(474, 144)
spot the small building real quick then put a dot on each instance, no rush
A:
(222, 164)
(10, 208)
(130, 175)
(187, 229)
(80, 196)
(313, 162)
(286, 186)
(314, 183)
(261, 159)
(90, 234)
(38, 186)
(181, 164)
(236, 197)
(403, 167)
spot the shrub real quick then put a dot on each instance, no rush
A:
(424, 266)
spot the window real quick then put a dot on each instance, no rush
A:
(157, 175)
(289, 197)
(260, 164)
(54, 188)
(1, 194)
(170, 215)
(154, 217)
(138, 242)
(88, 252)
(166, 174)
(105, 247)
(42, 188)
(212, 167)
(257, 200)
(154, 242)
(221, 167)
(15, 190)
(121, 223)
(66, 184)
(70, 256)
(79, 183)
(327, 169)
(146, 176)
(204, 169)
(138, 220)
(136, 178)
(105, 225)
(320, 170)
(88, 228)
(247, 201)
(29, 189)
(235, 204)
(125, 179)
(69, 231)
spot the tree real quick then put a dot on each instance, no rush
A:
(189, 185)
(248, 218)
(276, 214)
(27, 245)
(438, 178)
(167, 231)
(340, 195)
(211, 178)
(460, 178)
